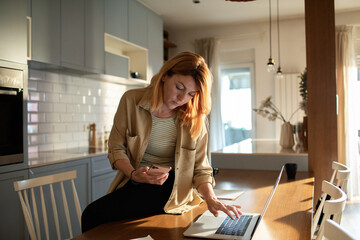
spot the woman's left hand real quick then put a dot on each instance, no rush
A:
(214, 205)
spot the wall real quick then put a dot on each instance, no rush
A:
(256, 36)
(61, 106)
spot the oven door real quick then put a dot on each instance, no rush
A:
(11, 120)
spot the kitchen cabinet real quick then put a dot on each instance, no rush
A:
(11, 218)
(73, 34)
(66, 33)
(82, 184)
(94, 36)
(45, 31)
(116, 18)
(13, 29)
(155, 43)
(138, 24)
(101, 176)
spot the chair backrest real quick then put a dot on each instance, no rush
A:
(336, 167)
(335, 206)
(37, 193)
(333, 231)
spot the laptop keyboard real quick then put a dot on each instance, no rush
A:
(235, 227)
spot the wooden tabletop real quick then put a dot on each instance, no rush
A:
(287, 217)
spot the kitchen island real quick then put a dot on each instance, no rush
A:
(259, 154)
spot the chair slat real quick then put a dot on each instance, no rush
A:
(56, 218)
(76, 200)
(43, 206)
(66, 208)
(36, 214)
(28, 220)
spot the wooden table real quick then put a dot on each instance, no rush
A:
(288, 215)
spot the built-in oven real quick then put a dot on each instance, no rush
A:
(11, 115)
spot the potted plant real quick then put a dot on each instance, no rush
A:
(304, 107)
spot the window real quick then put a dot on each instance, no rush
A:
(237, 102)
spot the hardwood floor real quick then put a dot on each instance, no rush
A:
(351, 218)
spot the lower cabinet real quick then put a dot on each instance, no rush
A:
(12, 223)
(102, 176)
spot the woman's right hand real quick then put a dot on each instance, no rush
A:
(141, 175)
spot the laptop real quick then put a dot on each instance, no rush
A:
(222, 227)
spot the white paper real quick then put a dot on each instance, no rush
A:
(148, 237)
(227, 194)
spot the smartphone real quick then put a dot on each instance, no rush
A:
(159, 169)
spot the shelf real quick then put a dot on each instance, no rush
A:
(136, 55)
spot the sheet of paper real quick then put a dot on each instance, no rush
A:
(148, 237)
(223, 194)
(227, 194)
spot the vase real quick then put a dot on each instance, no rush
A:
(287, 135)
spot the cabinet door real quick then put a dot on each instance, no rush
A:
(138, 24)
(13, 39)
(73, 34)
(116, 18)
(45, 31)
(83, 188)
(94, 36)
(100, 184)
(155, 43)
(11, 218)
(116, 65)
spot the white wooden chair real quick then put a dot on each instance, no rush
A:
(333, 231)
(36, 187)
(341, 174)
(335, 206)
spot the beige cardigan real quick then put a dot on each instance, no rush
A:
(129, 138)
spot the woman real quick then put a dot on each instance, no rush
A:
(162, 124)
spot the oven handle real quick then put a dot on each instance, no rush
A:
(8, 92)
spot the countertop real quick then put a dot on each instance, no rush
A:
(261, 147)
(37, 159)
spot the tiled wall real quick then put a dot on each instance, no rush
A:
(61, 106)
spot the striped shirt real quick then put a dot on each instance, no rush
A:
(162, 142)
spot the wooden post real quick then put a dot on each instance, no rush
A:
(322, 118)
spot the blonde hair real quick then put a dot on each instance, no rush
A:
(193, 113)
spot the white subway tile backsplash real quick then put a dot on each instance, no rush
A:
(52, 97)
(33, 128)
(36, 74)
(61, 106)
(32, 107)
(66, 117)
(45, 128)
(45, 107)
(32, 85)
(44, 86)
(52, 117)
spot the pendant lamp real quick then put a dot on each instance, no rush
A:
(271, 63)
(279, 74)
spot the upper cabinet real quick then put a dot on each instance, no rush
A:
(109, 38)
(45, 31)
(138, 24)
(13, 29)
(116, 18)
(155, 40)
(67, 33)
(94, 36)
(73, 34)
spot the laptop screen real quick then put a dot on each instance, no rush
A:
(269, 199)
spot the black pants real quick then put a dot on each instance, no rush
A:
(128, 202)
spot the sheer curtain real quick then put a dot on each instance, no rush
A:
(346, 77)
(206, 47)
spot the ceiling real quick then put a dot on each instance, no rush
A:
(183, 14)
